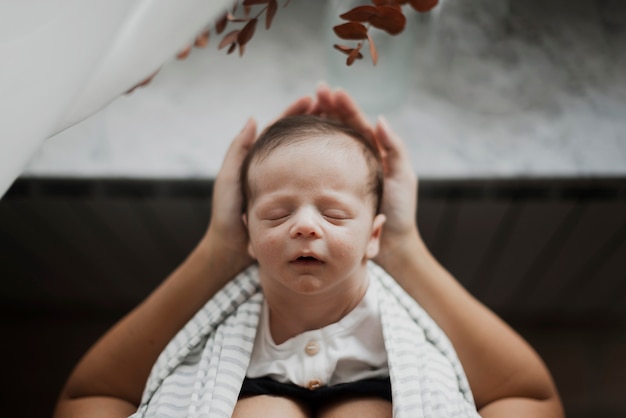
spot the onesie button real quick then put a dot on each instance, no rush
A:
(312, 348)
(315, 384)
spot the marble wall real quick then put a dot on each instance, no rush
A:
(494, 88)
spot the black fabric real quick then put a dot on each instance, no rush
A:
(315, 397)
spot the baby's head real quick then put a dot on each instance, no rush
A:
(320, 133)
(312, 192)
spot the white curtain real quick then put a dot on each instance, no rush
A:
(62, 60)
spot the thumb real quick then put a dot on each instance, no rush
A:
(392, 148)
(239, 147)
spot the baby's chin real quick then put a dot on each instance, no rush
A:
(307, 285)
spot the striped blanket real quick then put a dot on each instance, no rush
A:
(200, 372)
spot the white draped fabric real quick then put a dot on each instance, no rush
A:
(62, 60)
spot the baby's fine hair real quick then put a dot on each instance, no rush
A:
(301, 128)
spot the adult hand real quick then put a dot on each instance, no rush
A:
(400, 190)
(340, 106)
(226, 228)
(400, 194)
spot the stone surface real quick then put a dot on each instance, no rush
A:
(497, 89)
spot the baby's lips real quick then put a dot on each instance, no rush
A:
(307, 258)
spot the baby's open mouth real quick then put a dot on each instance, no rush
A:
(306, 259)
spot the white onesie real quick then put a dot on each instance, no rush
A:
(347, 351)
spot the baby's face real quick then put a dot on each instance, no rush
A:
(311, 216)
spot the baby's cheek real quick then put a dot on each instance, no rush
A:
(345, 249)
(269, 245)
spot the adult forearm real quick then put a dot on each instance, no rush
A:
(95, 407)
(499, 364)
(523, 408)
(117, 366)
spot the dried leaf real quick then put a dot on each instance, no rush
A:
(359, 14)
(355, 54)
(221, 24)
(373, 51)
(239, 19)
(351, 30)
(254, 2)
(242, 49)
(423, 5)
(229, 39)
(342, 48)
(396, 4)
(202, 40)
(272, 7)
(232, 48)
(184, 53)
(389, 19)
(247, 32)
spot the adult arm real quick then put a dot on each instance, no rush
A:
(507, 377)
(109, 379)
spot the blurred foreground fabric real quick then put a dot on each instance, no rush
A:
(62, 60)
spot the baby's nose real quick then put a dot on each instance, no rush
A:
(306, 224)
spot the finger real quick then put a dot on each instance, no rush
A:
(302, 106)
(315, 109)
(247, 136)
(325, 99)
(392, 148)
(349, 112)
(239, 147)
(339, 105)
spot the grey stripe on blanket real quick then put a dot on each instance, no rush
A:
(200, 372)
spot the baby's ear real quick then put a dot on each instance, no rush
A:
(373, 246)
(244, 217)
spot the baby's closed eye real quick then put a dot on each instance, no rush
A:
(274, 214)
(336, 214)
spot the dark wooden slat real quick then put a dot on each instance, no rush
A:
(601, 284)
(20, 268)
(129, 286)
(484, 275)
(617, 302)
(429, 215)
(203, 212)
(522, 257)
(130, 233)
(475, 225)
(595, 226)
(85, 245)
(179, 221)
(160, 234)
(41, 234)
(445, 231)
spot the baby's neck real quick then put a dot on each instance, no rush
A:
(290, 316)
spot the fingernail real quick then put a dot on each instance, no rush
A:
(321, 85)
(383, 122)
(248, 122)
